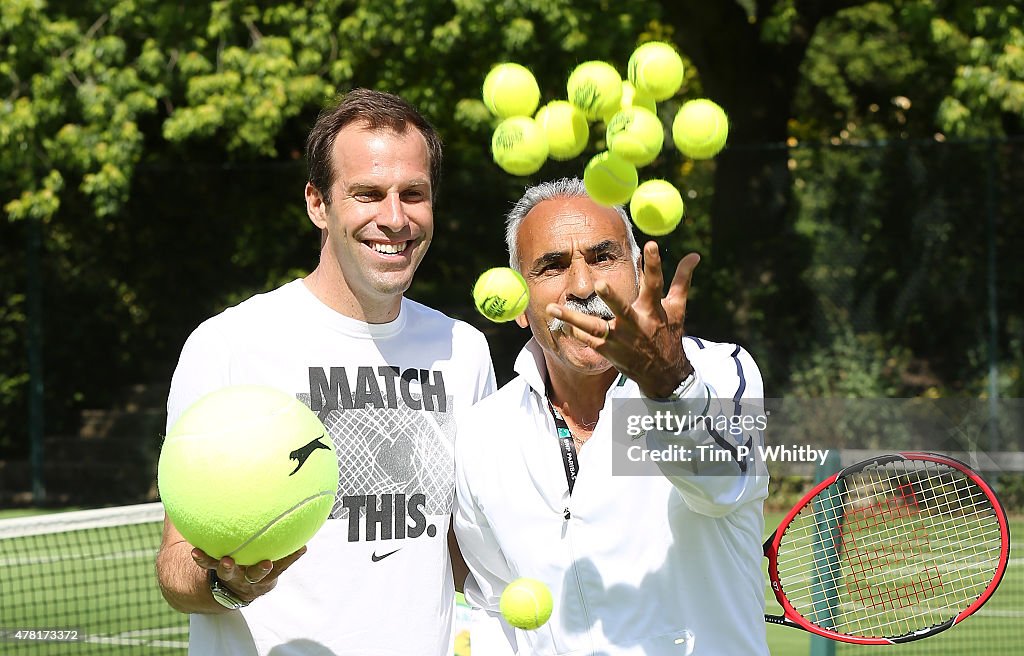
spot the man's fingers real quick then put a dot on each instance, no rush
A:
(256, 573)
(680, 289)
(228, 570)
(286, 562)
(586, 325)
(652, 278)
(619, 306)
(203, 560)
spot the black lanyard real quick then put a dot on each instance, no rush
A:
(566, 446)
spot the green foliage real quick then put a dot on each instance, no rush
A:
(784, 491)
(1010, 488)
(913, 68)
(987, 94)
(851, 365)
(158, 147)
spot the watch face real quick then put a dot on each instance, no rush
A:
(227, 600)
(223, 596)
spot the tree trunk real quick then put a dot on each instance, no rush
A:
(757, 259)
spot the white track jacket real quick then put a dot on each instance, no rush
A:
(656, 563)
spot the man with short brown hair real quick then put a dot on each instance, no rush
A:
(385, 374)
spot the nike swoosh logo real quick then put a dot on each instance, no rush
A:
(375, 558)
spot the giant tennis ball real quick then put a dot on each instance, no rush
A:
(656, 207)
(635, 134)
(519, 145)
(511, 90)
(248, 472)
(609, 179)
(565, 127)
(656, 70)
(700, 129)
(595, 87)
(526, 603)
(500, 294)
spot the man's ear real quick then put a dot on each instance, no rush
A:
(316, 208)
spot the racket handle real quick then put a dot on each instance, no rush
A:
(783, 620)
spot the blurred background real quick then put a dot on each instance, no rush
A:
(861, 234)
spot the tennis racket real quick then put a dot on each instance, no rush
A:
(889, 550)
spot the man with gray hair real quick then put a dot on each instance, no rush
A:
(662, 563)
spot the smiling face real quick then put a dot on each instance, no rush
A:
(565, 246)
(379, 224)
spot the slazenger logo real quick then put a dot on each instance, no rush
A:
(302, 454)
(493, 306)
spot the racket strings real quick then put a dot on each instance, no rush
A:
(896, 549)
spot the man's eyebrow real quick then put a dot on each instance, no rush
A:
(550, 257)
(606, 246)
(553, 257)
(372, 186)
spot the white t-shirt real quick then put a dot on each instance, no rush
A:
(376, 579)
(638, 565)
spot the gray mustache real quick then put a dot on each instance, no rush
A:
(593, 305)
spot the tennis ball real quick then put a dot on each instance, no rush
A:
(595, 87)
(565, 127)
(700, 129)
(526, 603)
(631, 98)
(656, 70)
(519, 145)
(511, 90)
(656, 207)
(249, 472)
(636, 135)
(609, 179)
(500, 294)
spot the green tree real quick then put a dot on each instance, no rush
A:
(158, 147)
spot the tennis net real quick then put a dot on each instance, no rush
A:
(84, 582)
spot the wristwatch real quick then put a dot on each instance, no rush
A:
(223, 595)
(683, 388)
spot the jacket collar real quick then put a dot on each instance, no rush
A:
(530, 365)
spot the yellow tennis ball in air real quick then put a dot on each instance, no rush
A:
(609, 179)
(700, 129)
(631, 98)
(565, 127)
(656, 207)
(636, 135)
(248, 472)
(526, 603)
(519, 145)
(511, 90)
(656, 69)
(595, 87)
(500, 294)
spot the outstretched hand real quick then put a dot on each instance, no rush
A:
(248, 582)
(644, 339)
